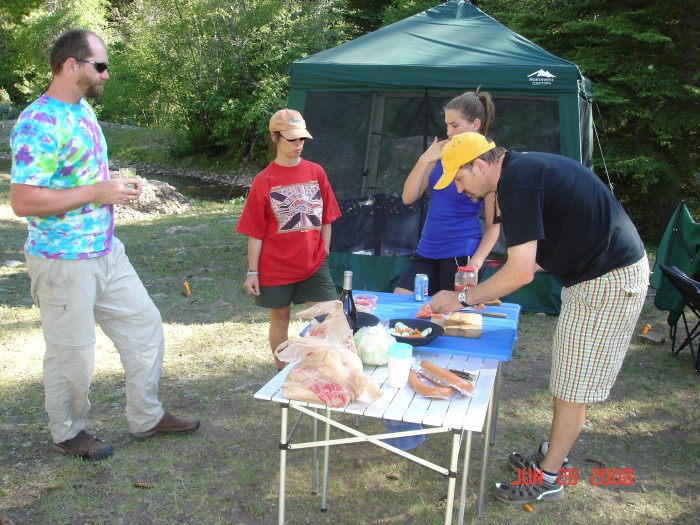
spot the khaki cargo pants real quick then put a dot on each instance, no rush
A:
(72, 296)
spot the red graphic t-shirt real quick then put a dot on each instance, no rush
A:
(286, 208)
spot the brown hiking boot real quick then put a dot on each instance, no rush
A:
(170, 424)
(84, 446)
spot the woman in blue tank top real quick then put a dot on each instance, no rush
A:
(451, 234)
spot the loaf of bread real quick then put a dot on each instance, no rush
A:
(462, 324)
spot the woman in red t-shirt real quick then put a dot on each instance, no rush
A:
(287, 218)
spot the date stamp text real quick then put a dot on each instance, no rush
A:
(599, 477)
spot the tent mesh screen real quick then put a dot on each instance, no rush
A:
(368, 142)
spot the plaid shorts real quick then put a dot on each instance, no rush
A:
(595, 327)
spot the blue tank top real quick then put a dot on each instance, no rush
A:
(452, 227)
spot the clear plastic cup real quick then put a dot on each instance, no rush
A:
(128, 173)
(368, 302)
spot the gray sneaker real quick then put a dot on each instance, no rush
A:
(519, 491)
(518, 461)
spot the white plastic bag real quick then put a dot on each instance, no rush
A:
(327, 369)
(334, 327)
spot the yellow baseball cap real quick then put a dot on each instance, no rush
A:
(461, 150)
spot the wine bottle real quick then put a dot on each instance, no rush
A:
(348, 302)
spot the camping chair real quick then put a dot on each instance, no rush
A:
(690, 291)
(679, 248)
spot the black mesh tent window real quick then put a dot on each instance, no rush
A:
(368, 142)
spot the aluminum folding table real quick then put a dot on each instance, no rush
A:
(460, 415)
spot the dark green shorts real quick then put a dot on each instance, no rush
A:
(319, 287)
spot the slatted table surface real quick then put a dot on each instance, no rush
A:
(460, 415)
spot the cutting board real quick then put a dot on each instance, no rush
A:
(460, 324)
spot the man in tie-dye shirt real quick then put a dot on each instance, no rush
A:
(79, 272)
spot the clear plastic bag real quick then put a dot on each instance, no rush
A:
(329, 370)
(332, 326)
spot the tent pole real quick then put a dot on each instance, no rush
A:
(365, 170)
(426, 118)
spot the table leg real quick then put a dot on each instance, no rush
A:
(314, 456)
(465, 476)
(324, 499)
(496, 390)
(485, 461)
(451, 477)
(283, 461)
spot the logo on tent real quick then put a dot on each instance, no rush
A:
(541, 78)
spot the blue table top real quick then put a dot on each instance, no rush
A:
(497, 334)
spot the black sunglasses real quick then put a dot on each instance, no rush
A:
(293, 140)
(100, 67)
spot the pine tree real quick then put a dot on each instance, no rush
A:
(642, 58)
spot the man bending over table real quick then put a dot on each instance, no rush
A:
(556, 215)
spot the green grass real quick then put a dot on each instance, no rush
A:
(127, 144)
(131, 144)
(216, 359)
(167, 148)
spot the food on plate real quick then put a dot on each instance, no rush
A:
(426, 312)
(428, 388)
(402, 330)
(443, 376)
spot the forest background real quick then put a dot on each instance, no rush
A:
(212, 71)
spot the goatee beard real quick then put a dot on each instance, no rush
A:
(92, 89)
(473, 198)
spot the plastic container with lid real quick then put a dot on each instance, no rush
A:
(399, 364)
(465, 278)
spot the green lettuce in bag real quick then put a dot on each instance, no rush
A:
(372, 343)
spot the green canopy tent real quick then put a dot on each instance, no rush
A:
(373, 105)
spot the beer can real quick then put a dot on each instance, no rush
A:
(420, 288)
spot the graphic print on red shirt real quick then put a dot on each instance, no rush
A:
(297, 207)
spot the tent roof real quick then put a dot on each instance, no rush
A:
(451, 46)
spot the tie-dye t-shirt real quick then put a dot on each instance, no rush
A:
(58, 145)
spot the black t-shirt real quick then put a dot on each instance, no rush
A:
(582, 230)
